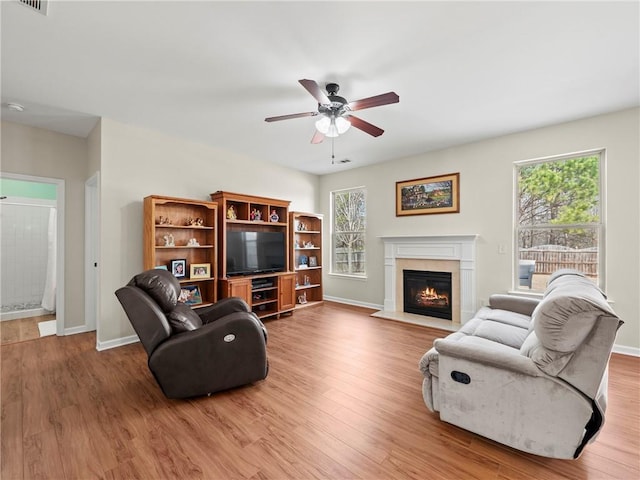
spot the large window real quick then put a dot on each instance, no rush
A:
(559, 218)
(348, 228)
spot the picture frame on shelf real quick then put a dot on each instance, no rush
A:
(313, 262)
(179, 267)
(430, 195)
(200, 270)
(190, 295)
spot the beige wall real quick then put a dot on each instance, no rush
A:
(486, 198)
(43, 153)
(137, 162)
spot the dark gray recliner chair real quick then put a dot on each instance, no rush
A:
(190, 354)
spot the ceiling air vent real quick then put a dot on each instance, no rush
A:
(41, 6)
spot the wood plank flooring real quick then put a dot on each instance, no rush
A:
(342, 401)
(21, 330)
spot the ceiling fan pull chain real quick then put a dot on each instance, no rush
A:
(332, 155)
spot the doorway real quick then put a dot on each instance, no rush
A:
(33, 286)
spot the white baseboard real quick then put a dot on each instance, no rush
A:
(624, 350)
(76, 330)
(18, 314)
(355, 303)
(118, 342)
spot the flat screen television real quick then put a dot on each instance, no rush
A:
(255, 252)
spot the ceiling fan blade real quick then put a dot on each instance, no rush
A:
(292, 115)
(318, 137)
(365, 126)
(378, 100)
(314, 89)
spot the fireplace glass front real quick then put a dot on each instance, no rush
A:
(427, 293)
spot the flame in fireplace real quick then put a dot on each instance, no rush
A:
(432, 298)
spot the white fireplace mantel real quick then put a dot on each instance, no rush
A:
(458, 247)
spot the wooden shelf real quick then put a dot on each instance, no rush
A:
(311, 303)
(269, 301)
(306, 228)
(190, 227)
(184, 246)
(180, 212)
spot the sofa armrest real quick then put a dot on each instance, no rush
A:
(513, 303)
(497, 356)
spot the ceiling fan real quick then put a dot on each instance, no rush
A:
(335, 111)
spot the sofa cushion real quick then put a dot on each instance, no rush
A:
(495, 325)
(183, 319)
(504, 316)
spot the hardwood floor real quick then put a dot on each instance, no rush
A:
(342, 400)
(21, 330)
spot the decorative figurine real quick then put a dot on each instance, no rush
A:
(302, 298)
(195, 222)
(274, 216)
(169, 241)
(256, 215)
(231, 213)
(308, 245)
(193, 243)
(302, 261)
(164, 221)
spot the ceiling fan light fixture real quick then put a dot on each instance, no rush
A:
(332, 126)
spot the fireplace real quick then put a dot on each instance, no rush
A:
(427, 293)
(454, 253)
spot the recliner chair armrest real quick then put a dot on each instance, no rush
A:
(483, 354)
(514, 303)
(221, 308)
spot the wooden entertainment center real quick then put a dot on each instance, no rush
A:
(197, 232)
(268, 294)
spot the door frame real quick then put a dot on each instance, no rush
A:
(91, 251)
(60, 265)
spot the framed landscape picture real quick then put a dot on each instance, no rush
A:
(428, 195)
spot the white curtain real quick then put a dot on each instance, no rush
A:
(49, 296)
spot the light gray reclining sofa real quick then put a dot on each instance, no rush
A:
(526, 373)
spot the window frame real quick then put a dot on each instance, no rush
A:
(332, 235)
(600, 226)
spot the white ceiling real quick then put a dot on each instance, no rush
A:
(212, 71)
